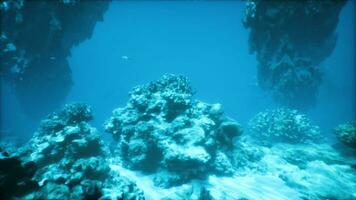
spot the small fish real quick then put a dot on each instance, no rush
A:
(124, 57)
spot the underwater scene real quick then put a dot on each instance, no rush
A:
(177, 100)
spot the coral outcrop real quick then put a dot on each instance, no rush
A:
(292, 152)
(170, 146)
(72, 160)
(291, 38)
(283, 125)
(346, 133)
(163, 131)
(35, 40)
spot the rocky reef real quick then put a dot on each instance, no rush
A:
(175, 147)
(285, 144)
(164, 131)
(170, 146)
(283, 125)
(71, 160)
(35, 40)
(290, 39)
(346, 133)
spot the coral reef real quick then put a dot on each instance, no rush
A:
(283, 125)
(35, 40)
(170, 146)
(72, 160)
(291, 38)
(162, 130)
(346, 133)
(313, 170)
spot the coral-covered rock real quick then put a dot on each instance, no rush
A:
(35, 40)
(72, 159)
(346, 133)
(283, 125)
(163, 129)
(291, 38)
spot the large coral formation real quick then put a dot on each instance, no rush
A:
(180, 148)
(35, 40)
(72, 160)
(283, 125)
(346, 133)
(164, 131)
(291, 38)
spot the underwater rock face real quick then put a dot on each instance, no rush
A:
(72, 160)
(291, 38)
(35, 40)
(162, 130)
(198, 153)
(283, 125)
(346, 133)
(15, 175)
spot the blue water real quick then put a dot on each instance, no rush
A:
(139, 41)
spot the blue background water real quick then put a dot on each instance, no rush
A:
(139, 41)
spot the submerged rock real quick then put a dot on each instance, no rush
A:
(194, 152)
(346, 133)
(72, 160)
(291, 38)
(283, 125)
(163, 131)
(35, 40)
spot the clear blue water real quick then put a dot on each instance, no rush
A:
(139, 41)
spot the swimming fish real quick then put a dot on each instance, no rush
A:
(124, 57)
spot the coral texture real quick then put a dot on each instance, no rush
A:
(291, 38)
(35, 40)
(162, 130)
(346, 133)
(283, 125)
(72, 160)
